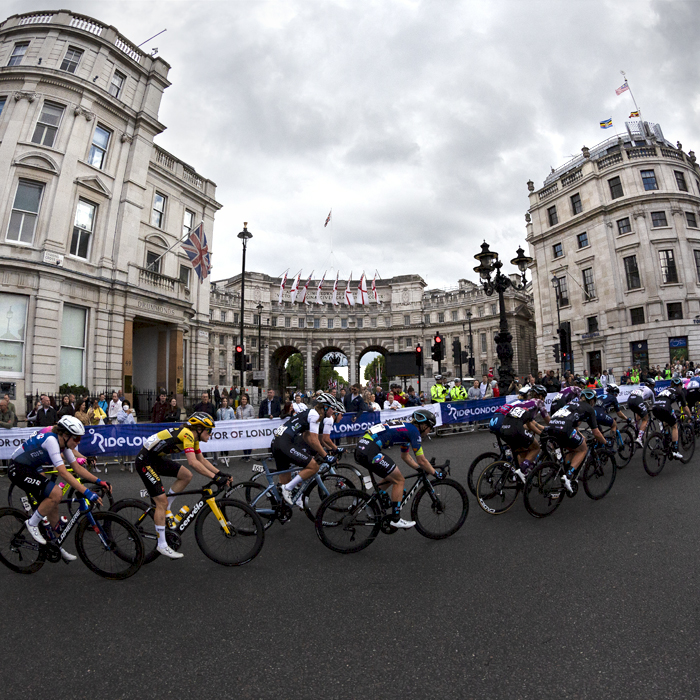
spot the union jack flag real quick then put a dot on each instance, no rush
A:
(197, 251)
(328, 218)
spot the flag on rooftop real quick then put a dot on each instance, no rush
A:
(284, 280)
(198, 252)
(328, 218)
(622, 88)
(606, 123)
(634, 114)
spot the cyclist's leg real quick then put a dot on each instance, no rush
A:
(182, 475)
(44, 491)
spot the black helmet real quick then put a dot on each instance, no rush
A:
(539, 390)
(588, 394)
(676, 381)
(423, 416)
(650, 383)
(613, 389)
(579, 380)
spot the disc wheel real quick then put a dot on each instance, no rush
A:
(654, 455)
(544, 491)
(441, 509)
(497, 488)
(18, 549)
(348, 521)
(599, 475)
(477, 467)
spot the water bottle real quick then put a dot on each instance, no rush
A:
(61, 525)
(181, 514)
(47, 527)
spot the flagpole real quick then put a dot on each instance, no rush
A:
(177, 243)
(632, 96)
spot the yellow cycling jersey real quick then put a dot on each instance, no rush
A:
(171, 441)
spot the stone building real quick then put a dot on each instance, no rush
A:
(408, 314)
(616, 231)
(88, 204)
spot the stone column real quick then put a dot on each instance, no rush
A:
(127, 359)
(309, 366)
(266, 363)
(352, 362)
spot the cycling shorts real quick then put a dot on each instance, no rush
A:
(289, 452)
(664, 414)
(692, 397)
(603, 418)
(638, 406)
(370, 456)
(516, 436)
(567, 441)
(33, 482)
(151, 467)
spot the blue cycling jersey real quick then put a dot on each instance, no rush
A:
(396, 432)
(608, 402)
(40, 450)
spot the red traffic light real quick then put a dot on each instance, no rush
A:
(438, 339)
(239, 348)
(419, 349)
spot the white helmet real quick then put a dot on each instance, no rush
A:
(72, 425)
(697, 372)
(524, 390)
(688, 375)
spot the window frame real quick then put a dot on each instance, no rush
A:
(564, 299)
(620, 232)
(161, 222)
(576, 204)
(578, 240)
(592, 324)
(696, 257)
(19, 241)
(687, 219)
(629, 272)
(116, 73)
(185, 230)
(649, 182)
(558, 250)
(658, 215)
(80, 231)
(615, 184)
(668, 256)
(47, 127)
(680, 180)
(26, 299)
(483, 342)
(13, 55)
(552, 216)
(589, 292)
(96, 148)
(632, 316)
(82, 348)
(406, 320)
(679, 305)
(185, 279)
(77, 50)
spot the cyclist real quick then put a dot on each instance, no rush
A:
(408, 433)
(562, 428)
(567, 395)
(152, 463)
(663, 410)
(606, 404)
(300, 441)
(692, 390)
(638, 402)
(26, 471)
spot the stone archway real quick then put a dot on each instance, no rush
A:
(278, 374)
(320, 355)
(361, 353)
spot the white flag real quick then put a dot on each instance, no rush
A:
(284, 281)
(362, 291)
(374, 289)
(295, 288)
(349, 298)
(334, 301)
(306, 289)
(318, 289)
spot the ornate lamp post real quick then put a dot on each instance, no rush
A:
(555, 284)
(470, 369)
(259, 307)
(489, 264)
(245, 235)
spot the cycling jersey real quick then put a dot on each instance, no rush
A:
(41, 450)
(306, 421)
(692, 391)
(565, 396)
(171, 441)
(396, 432)
(643, 393)
(667, 397)
(608, 402)
(505, 409)
(562, 426)
(289, 447)
(513, 430)
(536, 407)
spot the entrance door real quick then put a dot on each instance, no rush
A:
(595, 362)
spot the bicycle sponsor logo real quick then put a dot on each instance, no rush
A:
(190, 515)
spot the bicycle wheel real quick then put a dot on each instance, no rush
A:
(477, 467)
(244, 539)
(352, 474)
(497, 488)
(348, 521)
(599, 475)
(18, 550)
(74, 499)
(112, 547)
(654, 456)
(441, 510)
(140, 515)
(686, 441)
(313, 496)
(543, 491)
(625, 451)
(258, 497)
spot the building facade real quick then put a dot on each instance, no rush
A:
(408, 315)
(88, 205)
(615, 236)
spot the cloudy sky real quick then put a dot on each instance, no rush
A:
(418, 122)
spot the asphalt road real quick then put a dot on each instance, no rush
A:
(598, 601)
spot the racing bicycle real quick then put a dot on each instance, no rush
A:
(658, 447)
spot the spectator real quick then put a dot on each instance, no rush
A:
(270, 407)
(174, 413)
(298, 406)
(31, 416)
(103, 403)
(81, 412)
(65, 409)
(245, 412)
(217, 396)
(120, 395)
(485, 384)
(7, 417)
(114, 407)
(372, 404)
(474, 393)
(46, 415)
(399, 395)
(225, 412)
(71, 400)
(391, 404)
(412, 399)
(346, 398)
(10, 405)
(551, 383)
(488, 392)
(357, 403)
(95, 414)
(457, 392)
(379, 395)
(160, 408)
(494, 389)
(206, 406)
(287, 410)
(126, 414)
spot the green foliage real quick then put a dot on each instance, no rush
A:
(76, 389)
(371, 368)
(295, 371)
(327, 372)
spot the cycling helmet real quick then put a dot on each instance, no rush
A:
(650, 383)
(676, 381)
(325, 399)
(72, 425)
(689, 375)
(200, 420)
(423, 415)
(338, 406)
(524, 390)
(613, 388)
(539, 390)
(588, 394)
(579, 380)
(697, 372)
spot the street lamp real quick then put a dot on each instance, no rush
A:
(259, 307)
(471, 352)
(555, 284)
(245, 235)
(489, 264)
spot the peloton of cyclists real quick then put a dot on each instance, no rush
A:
(568, 394)
(638, 402)
(607, 404)
(663, 410)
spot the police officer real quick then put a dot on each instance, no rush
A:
(458, 392)
(438, 392)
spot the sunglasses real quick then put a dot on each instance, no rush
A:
(76, 438)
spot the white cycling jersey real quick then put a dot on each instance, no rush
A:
(644, 392)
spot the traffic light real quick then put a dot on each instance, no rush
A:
(456, 350)
(564, 344)
(438, 348)
(238, 358)
(419, 356)
(555, 351)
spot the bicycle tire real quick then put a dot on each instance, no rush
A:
(686, 442)
(474, 472)
(599, 476)
(132, 509)
(543, 492)
(447, 505)
(498, 488)
(101, 491)
(312, 498)
(250, 493)
(242, 543)
(352, 473)
(654, 455)
(16, 543)
(118, 558)
(625, 452)
(342, 515)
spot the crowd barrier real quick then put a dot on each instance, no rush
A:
(126, 440)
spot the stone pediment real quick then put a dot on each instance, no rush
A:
(92, 182)
(38, 161)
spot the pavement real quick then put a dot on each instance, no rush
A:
(598, 601)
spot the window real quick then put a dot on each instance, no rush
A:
(317, 323)
(373, 322)
(13, 308)
(185, 275)
(615, 187)
(187, 223)
(658, 218)
(158, 212)
(680, 181)
(632, 272)
(441, 318)
(481, 311)
(115, 87)
(343, 322)
(483, 342)
(301, 322)
(576, 206)
(558, 250)
(24, 212)
(223, 317)
(637, 315)
(18, 53)
(153, 264)
(649, 180)
(2, 103)
(691, 220)
(552, 216)
(83, 229)
(696, 254)
(235, 318)
(409, 342)
(253, 342)
(484, 368)
(669, 273)
(72, 345)
(592, 324)
(563, 292)
(674, 311)
(427, 319)
(98, 149)
(493, 309)
(222, 339)
(329, 324)
(287, 322)
(256, 319)
(406, 320)
(71, 59)
(623, 225)
(360, 323)
(588, 284)
(47, 124)
(455, 315)
(582, 240)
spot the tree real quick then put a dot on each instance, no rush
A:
(326, 373)
(295, 371)
(371, 368)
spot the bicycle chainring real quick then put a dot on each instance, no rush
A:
(574, 489)
(387, 527)
(173, 539)
(285, 513)
(53, 552)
